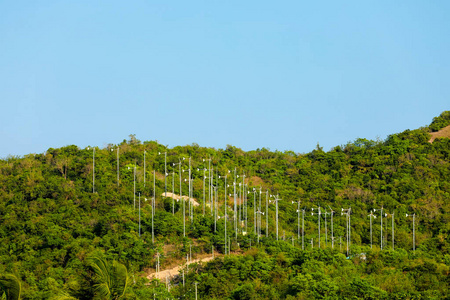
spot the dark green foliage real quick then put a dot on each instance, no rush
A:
(276, 270)
(440, 122)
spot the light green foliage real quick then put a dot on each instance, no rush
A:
(111, 278)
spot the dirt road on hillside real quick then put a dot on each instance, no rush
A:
(170, 273)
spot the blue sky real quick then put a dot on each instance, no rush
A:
(284, 75)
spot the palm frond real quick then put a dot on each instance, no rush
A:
(103, 278)
(10, 285)
(120, 279)
(111, 278)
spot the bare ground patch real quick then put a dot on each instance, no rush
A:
(443, 133)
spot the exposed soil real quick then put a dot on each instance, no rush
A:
(443, 133)
(174, 271)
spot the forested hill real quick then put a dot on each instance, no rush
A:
(64, 206)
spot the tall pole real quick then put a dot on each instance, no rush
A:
(414, 232)
(267, 213)
(216, 203)
(211, 193)
(196, 290)
(381, 232)
(154, 191)
(347, 232)
(190, 194)
(165, 174)
(184, 212)
(235, 205)
(392, 231)
(244, 213)
(332, 233)
(319, 224)
(117, 165)
(153, 206)
(276, 213)
(240, 207)
(350, 227)
(181, 198)
(347, 213)
(258, 224)
(326, 230)
(153, 226)
(303, 229)
(254, 209)
(204, 191)
(144, 168)
(190, 216)
(209, 183)
(298, 219)
(215, 210)
(134, 187)
(370, 217)
(139, 214)
(173, 192)
(211, 200)
(93, 171)
(276, 205)
(381, 225)
(259, 208)
(157, 265)
(243, 198)
(371, 230)
(246, 208)
(225, 219)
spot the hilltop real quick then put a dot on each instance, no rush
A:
(443, 133)
(59, 208)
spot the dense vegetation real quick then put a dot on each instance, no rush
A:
(281, 271)
(440, 122)
(52, 224)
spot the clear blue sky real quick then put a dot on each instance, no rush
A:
(278, 74)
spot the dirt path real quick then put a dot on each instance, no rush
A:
(174, 271)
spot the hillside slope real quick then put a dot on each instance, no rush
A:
(443, 133)
(60, 207)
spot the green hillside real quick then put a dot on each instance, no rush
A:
(60, 209)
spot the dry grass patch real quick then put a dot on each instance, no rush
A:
(443, 133)
(255, 181)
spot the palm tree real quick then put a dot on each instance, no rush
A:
(111, 278)
(9, 287)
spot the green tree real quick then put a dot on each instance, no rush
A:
(111, 278)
